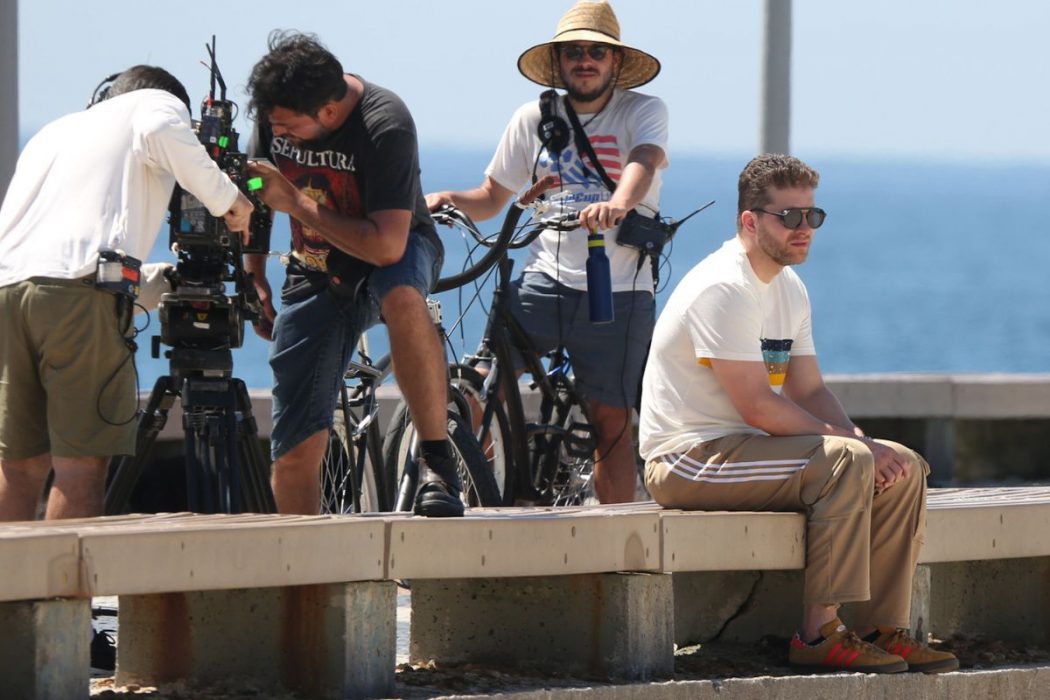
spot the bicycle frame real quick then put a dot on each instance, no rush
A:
(503, 335)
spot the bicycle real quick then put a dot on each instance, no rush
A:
(548, 459)
(361, 473)
(359, 476)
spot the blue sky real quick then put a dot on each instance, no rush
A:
(903, 80)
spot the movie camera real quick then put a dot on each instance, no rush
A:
(199, 320)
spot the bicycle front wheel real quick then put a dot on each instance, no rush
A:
(494, 437)
(402, 445)
(337, 488)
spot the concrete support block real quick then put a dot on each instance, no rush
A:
(919, 620)
(748, 605)
(1006, 599)
(736, 605)
(598, 625)
(45, 649)
(323, 641)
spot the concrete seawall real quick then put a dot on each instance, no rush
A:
(973, 428)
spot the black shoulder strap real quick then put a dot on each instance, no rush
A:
(583, 145)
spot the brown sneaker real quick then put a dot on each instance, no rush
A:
(842, 650)
(919, 656)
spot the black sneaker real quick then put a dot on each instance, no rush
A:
(438, 495)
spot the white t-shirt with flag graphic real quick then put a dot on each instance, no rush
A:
(630, 119)
(720, 310)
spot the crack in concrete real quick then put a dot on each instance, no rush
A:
(743, 608)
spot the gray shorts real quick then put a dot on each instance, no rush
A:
(607, 359)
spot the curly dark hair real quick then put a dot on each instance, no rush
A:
(298, 73)
(771, 170)
(142, 77)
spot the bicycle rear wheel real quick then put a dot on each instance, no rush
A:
(402, 446)
(562, 449)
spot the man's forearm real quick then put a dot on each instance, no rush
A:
(255, 263)
(633, 185)
(778, 415)
(825, 406)
(479, 203)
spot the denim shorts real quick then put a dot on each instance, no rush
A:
(314, 340)
(608, 358)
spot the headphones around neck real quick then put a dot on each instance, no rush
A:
(553, 131)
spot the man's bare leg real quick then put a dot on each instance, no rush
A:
(296, 479)
(79, 488)
(21, 485)
(419, 361)
(615, 472)
(814, 617)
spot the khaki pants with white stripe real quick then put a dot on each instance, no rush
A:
(860, 546)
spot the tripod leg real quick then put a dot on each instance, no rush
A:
(125, 471)
(255, 468)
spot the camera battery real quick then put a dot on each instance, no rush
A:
(118, 273)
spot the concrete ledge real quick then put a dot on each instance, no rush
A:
(762, 541)
(497, 542)
(40, 563)
(199, 553)
(1016, 682)
(936, 395)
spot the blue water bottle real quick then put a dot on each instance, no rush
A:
(599, 280)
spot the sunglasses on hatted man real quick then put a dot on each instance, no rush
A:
(792, 218)
(574, 52)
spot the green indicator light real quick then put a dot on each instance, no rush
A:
(255, 183)
(223, 140)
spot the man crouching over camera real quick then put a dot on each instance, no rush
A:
(90, 182)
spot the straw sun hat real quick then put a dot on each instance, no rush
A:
(588, 20)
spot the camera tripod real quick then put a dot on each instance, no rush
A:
(226, 470)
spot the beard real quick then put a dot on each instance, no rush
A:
(780, 253)
(590, 95)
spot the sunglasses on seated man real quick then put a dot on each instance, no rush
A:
(792, 218)
(574, 52)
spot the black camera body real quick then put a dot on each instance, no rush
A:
(202, 320)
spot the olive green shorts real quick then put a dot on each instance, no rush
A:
(66, 375)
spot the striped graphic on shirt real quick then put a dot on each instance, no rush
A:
(731, 472)
(776, 354)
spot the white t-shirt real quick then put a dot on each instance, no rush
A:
(102, 179)
(629, 119)
(719, 310)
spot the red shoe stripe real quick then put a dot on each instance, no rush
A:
(830, 660)
(852, 658)
(907, 650)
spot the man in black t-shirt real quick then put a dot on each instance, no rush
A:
(345, 168)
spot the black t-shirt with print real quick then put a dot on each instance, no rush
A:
(368, 164)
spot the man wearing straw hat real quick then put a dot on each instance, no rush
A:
(626, 132)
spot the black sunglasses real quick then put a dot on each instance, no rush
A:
(792, 218)
(574, 52)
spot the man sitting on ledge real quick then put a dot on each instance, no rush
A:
(736, 416)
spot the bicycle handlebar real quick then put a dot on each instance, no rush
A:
(498, 247)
